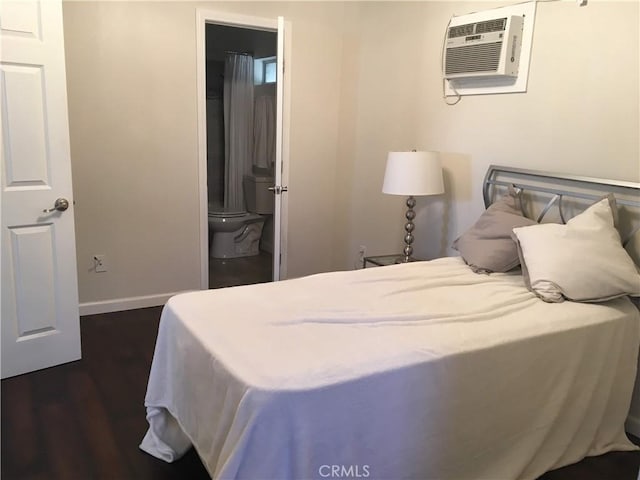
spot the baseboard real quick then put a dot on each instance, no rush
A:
(632, 425)
(120, 304)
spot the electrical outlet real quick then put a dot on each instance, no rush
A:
(362, 252)
(100, 263)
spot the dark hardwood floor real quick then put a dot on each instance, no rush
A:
(84, 420)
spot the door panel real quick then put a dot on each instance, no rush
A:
(26, 158)
(40, 322)
(36, 312)
(21, 19)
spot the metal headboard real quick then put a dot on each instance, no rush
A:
(560, 186)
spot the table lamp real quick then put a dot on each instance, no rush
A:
(412, 174)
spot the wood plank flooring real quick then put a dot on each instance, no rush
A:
(84, 420)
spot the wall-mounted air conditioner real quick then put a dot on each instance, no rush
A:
(488, 48)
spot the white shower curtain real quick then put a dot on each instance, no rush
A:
(238, 127)
(264, 132)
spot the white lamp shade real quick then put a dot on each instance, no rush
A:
(413, 173)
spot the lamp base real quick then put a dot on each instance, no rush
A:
(408, 228)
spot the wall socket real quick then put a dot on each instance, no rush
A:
(100, 263)
(362, 252)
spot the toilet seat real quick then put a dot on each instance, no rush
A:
(246, 217)
(227, 214)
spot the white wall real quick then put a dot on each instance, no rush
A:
(131, 69)
(579, 115)
(365, 80)
(133, 146)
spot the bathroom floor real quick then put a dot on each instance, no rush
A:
(228, 272)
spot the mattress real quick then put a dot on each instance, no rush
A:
(419, 370)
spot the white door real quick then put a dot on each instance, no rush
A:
(40, 322)
(279, 187)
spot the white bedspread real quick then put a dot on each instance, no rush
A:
(422, 370)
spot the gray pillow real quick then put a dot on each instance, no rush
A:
(487, 246)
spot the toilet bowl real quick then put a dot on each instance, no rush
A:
(235, 234)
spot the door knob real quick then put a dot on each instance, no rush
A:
(61, 204)
(277, 189)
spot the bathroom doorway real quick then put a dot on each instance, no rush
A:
(242, 121)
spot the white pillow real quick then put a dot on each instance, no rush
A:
(582, 260)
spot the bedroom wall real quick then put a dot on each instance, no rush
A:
(132, 106)
(580, 114)
(365, 80)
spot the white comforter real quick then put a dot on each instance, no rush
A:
(422, 370)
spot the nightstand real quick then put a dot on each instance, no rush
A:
(384, 260)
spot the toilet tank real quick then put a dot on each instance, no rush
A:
(259, 198)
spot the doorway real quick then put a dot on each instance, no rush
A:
(241, 104)
(241, 149)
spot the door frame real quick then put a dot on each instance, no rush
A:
(207, 16)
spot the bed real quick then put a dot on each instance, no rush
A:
(419, 370)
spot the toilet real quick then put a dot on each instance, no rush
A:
(238, 234)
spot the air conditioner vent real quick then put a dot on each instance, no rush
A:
(491, 25)
(461, 30)
(473, 58)
(495, 25)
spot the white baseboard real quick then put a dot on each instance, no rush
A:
(120, 304)
(632, 425)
